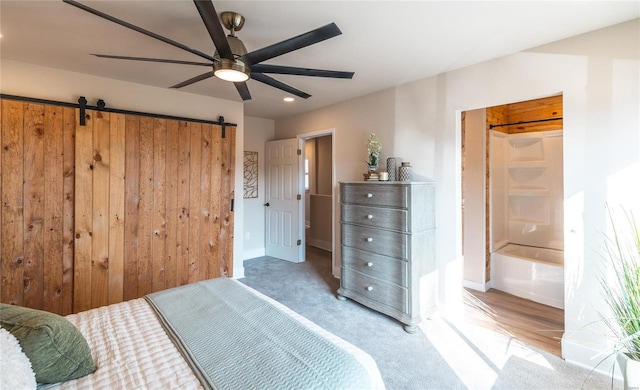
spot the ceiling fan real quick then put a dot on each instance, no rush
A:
(231, 61)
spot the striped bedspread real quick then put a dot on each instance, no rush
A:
(235, 339)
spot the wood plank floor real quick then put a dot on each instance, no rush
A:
(531, 323)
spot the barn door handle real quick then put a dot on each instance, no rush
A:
(267, 204)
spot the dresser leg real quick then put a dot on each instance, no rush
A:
(410, 328)
(342, 298)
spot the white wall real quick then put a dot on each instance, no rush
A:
(498, 182)
(26, 80)
(256, 132)
(475, 221)
(599, 76)
(310, 156)
(324, 159)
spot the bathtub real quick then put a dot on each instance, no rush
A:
(528, 272)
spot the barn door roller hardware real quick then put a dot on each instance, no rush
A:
(101, 106)
(224, 125)
(82, 105)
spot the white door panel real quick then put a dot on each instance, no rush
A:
(282, 205)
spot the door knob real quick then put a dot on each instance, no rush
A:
(267, 204)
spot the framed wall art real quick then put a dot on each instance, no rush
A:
(250, 175)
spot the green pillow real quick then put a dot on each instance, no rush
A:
(56, 348)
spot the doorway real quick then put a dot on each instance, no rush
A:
(512, 208)
(318, 177)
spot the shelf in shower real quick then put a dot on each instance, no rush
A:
(527, 164)
(528, 222)
(539, 192)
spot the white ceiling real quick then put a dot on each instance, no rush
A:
(386, 43)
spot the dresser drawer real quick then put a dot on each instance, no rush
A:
(375, 240)
(386, 293)
(375, 195)
(395, 219)
(378, 266)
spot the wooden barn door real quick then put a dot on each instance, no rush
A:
(113, 210)
(36, 219)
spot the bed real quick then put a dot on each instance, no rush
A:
(234, 337)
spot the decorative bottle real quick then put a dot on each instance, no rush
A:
(405, 172)
(392, 168)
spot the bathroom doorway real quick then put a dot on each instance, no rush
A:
(512, 191)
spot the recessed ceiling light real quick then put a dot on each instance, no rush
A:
(288, 99)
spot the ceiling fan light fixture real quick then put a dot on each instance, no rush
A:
(234, 71)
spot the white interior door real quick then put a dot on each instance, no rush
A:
(282, 203)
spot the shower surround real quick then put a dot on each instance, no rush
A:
(527, 215)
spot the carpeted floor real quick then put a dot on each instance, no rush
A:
(446, 354)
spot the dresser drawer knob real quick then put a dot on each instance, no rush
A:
(369, 288)
(369, 216)
(369, 239)
(369, 195)
(369, 264)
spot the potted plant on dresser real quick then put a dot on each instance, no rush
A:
(622, 295)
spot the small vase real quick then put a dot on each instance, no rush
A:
(392, 168)
(630, 371)
(405, 172)
(373, 168)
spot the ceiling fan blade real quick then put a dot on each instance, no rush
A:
(193, 80)
(153, 60)
(243, 90)
(263, 78)
(309, 38)
(138, 29)
(212, 23)
(279, 69)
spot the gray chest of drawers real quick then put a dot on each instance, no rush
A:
(388, 256)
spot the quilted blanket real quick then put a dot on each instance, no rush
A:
(234, 339)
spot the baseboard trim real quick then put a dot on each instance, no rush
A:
(476, 286)
(253, 253)
(585, 357)
(326, 245)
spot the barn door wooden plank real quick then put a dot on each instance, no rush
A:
(182, 239)
(68, 218)
(132, 178)
(205, 202)
(116, 206)
(83, 210)
(53, 208)
(1, 207)
(226, 221)
(216, 182)
(159, 204)
(194, 201)
(34, 206)
(171, 202)
(145, 216)
(232, 196)
(12, 202)
(100, 213)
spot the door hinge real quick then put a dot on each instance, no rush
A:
(299, 197)
(299, 242)
(299, 152)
